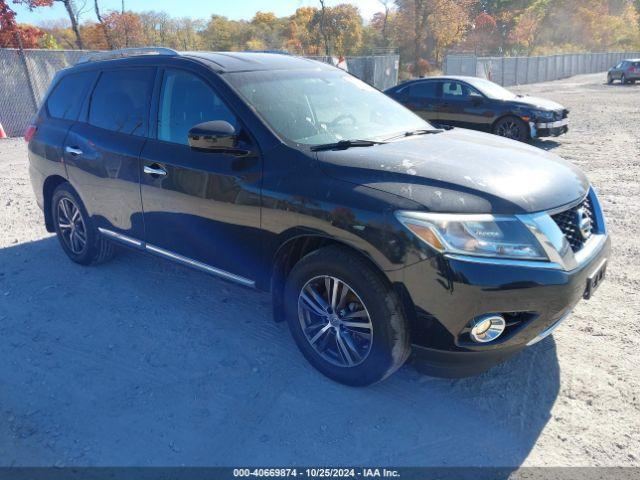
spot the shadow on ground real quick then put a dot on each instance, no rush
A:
(142, 362)
(545, 144)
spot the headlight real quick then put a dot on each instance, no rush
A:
(480, 235)
(543, 115)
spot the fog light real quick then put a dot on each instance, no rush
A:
(487, 328)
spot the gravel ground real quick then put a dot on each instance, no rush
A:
(142, 362)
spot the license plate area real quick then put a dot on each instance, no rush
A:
(595, 279)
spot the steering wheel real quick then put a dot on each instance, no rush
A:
(341, 118)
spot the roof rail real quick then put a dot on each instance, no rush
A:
(126, 52)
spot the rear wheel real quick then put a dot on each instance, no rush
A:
(78, 237)
(345, 318)
(511, 127)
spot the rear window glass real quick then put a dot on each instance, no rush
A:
(120, 101)
(67, 96)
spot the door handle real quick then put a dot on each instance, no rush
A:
(157, 170)
(73, 151)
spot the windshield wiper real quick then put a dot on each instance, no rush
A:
(412, 133)
(344, 144)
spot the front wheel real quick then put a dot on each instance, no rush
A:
(345, 318)
(511, 127)
(609, 79)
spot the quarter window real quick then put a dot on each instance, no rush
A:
(120, 101)
(186, 101)
(66, 98)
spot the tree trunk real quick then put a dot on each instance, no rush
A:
(323, 29)
(417, 27)
(385, 38)
(74, 22)
(107, 33)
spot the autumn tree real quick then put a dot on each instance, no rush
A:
(340, 28)
(302, 37)
(125, 28)
(267, 31)
(13, 35)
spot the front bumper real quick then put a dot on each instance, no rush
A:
(446, 292)
(549, 129)
(449, 292)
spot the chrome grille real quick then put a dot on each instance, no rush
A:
(569, 220)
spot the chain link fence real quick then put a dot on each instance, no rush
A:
(381, 71)
(25, 76)
(521, 70)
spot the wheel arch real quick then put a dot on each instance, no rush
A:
(292, 251)
(50, 184)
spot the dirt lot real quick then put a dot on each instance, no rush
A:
(142, 362)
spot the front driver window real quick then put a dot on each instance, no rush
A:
(185, 101)
(459, 91)
(452, 89)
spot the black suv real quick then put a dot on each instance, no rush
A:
(376, 234)
(480, 104)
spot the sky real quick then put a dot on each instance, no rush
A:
(203, 9)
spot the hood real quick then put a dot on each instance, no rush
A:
(537, 102)
(462, 171)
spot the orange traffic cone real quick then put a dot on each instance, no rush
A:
(2, 133)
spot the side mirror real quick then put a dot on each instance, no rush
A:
(217, 135)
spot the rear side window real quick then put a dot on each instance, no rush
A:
(67, 96)
(120, 101)
(424, 90)
(185, 101)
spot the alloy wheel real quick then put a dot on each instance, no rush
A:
(72, 226)
(509, 129)
(335, 321)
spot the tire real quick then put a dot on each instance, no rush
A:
(512, 128)
(77, 235)
(373, 352)
(609, 79)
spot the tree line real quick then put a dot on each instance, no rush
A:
(421, 31)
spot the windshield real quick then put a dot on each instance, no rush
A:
(492, 90)
(315, 107)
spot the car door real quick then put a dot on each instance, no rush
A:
(102, 149)
(464, 106)
(58, 114)
(423, 97)
(618, 71)
(200, 206)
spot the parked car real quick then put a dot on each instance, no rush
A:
(377, 234)
(627, 71)
(480, 104)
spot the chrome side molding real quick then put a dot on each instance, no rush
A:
(189, 262)
(120, 237)
(199, 265)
